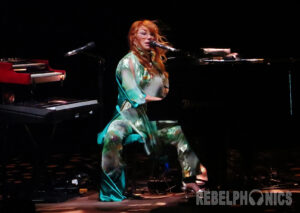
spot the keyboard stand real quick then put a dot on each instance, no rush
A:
(39, 155)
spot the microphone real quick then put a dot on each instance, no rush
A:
(156, 44)
(88, 46)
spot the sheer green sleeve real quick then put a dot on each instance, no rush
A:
(126, 74)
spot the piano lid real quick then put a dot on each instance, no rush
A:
(28, 71)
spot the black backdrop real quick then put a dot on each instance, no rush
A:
(50, 28)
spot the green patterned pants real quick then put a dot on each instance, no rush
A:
(168, 133)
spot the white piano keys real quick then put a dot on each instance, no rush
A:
(73, 105)
(47, 77)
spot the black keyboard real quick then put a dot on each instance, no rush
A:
(52, 110)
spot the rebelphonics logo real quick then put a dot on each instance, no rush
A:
(253, 198)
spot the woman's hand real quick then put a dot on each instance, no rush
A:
(165, 91)
(152, 98)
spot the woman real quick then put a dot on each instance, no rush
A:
(141, 78)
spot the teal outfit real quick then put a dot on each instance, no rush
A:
(131, 124)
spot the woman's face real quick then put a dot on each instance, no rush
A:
(143, 38)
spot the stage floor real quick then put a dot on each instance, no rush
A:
(90, 203)
(49, 188)
(172, 202)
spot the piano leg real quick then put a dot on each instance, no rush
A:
(290, 94)
(40, 153)
(3, 153)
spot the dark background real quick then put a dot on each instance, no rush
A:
(50, 28)
(257, 109)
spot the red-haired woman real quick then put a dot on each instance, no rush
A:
(141, 78)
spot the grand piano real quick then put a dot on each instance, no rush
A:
(225, 104)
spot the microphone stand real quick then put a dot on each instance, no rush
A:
(100, 76)
(98, 58)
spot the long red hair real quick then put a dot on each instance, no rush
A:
(158, 55)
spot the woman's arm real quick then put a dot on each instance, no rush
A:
(131, 88)
(127, 83)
